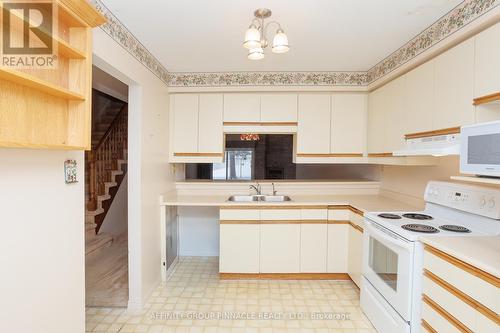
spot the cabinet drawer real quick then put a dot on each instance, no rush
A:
(456, 307)
(338, 215)
(280, 214)
(477, 288)
(436, 321)
(314, 214)
(239, 214)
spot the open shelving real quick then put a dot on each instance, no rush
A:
(50, 108)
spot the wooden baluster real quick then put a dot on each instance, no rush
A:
(92, 204)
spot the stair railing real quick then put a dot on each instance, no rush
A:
(103, 158)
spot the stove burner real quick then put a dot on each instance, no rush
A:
(389, 216)
(454, 228)
(420, 228)
(417, 216)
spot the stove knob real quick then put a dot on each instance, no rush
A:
(482, 202)
(491, 203)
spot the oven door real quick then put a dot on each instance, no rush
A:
(388, 266)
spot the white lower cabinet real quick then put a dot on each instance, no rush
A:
(354, 255)
(279, 248)
(338, 242)
(313, 247)
(239, 248)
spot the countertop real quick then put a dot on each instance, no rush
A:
(482, 252)
(364, 203)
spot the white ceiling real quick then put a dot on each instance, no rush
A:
(325, 35)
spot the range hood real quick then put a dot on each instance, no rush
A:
(438, 145)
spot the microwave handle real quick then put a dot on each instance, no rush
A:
(387, 236)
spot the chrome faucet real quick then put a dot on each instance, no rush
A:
(274, 189)
(257, 188)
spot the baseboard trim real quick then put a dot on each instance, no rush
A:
(284, 276)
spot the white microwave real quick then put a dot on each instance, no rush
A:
(480, 149)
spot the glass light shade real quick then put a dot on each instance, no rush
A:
(256, 54)
(252, 38)
(280, 42)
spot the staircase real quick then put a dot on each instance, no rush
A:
(106, 167)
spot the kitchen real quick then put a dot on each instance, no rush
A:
(290, 166)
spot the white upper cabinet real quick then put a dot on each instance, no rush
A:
(487, 64)
(210, 134)
(419, 99)
(278, 108)
(313, 135)
(185, 137)
(454, 77)
(242, 108)
(348, 123)
(376, 121)
(394, 115)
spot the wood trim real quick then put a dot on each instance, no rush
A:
(314, 221)
(315, 207)
(258, 123)
(280, 221)
(249, 207)
(199, 154)
(428, 327)
(446, 315)
(330, 155)
(347, 207)
(487, 99)
(239, 221)
(485, 276)
(339, 222)
(380, 155)
(284, 276)
(490, 314)
(444, 131)
(357, 227)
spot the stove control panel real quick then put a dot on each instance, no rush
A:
(473, 199)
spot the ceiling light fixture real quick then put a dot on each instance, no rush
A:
(256, 40)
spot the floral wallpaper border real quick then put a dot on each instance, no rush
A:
(457, 18)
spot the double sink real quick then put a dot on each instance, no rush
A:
(264, 198)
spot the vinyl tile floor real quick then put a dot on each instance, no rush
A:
(194, 300)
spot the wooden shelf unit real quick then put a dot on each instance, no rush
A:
(50, 108)
(478, 180)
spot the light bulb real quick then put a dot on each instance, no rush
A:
(252, 38)
(280, 42)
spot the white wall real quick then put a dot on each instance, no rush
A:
(116, 220)
(148, 172)
(198, 231)
(42, 280)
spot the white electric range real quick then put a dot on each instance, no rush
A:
(393, 255)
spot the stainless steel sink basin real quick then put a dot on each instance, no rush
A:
(275, 198)
(253, 198)
(243, 198)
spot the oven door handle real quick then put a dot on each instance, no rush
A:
(388, 236)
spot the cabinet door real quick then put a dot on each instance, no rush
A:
(241, 107)
(394, 115)
(348, 123)
(313, 135)
(376, 121)
(313, 248)
(279, 248)
(355, 255)
(487, 64)
(185, 123)
(210, 134)
(338, 243)
(418, 100)
(278, 108)
(239, 248)
(454, 87)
